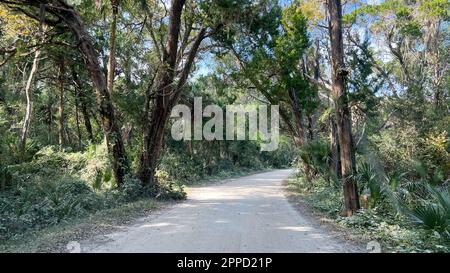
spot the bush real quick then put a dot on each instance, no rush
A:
(397, 148)
(42, 203)
(168, 188)
(434, 212)
(316, 154)
(434, 153)
(58, 185)
(130, 190)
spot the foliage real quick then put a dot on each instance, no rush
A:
(316, 155)
(395, 232)
(55, 187)
(259, 52)
(433, 213)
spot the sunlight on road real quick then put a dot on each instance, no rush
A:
(249, 214)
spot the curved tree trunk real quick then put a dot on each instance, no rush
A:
(109, 124)
(68, 15)
(29, 109)
(154, 125)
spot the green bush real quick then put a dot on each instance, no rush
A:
(434, 153)
(433, 213)
(316, 154)
(130, 190)
(169, 188)
(42, 203)
(56, 186)
(396, 148)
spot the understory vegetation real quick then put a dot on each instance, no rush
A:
(56, 185)
(88, 89)
(402, 182)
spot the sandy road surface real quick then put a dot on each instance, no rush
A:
(247, 214)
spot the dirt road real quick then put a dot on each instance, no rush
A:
(247, 214)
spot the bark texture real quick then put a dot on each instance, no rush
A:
(343, 119)
(167, 94)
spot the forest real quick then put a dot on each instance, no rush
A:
(87, 88)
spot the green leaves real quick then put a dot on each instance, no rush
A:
(431, 216)
(291, 44)
(437, 8)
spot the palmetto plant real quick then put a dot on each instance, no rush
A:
(434, 213)
(379, 186)
(368, 180)
(317, 155)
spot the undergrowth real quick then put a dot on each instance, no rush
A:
(396, 232)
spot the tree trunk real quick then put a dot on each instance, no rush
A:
(335, 164)
(49, 118)
(167, 95)
(311, 134)
(61, 104)
(153, 131)
(112, 45)
(77, 118)
(29, 109)
(316, 70)
(295, 105)
(109, 124)
(82, 99)
(343, 120)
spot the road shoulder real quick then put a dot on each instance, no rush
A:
(321, 221)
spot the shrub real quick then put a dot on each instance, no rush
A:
(168, 188)
(56, 186)
(396, 148)
(434, 153)
(433, 213)
(130, 190)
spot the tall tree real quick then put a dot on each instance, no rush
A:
(82, 100)
(112, 45)
(59, 13)
(61, 80)
(29, 108)
(167, 93)
(343, 119)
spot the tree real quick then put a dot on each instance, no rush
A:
(343, 120)
(112, 45)
(269, 61)
(29, 108)
(178, 56)
(61, 138)
(167, 93)
(83, 102)
(19, 31)
(60, 13)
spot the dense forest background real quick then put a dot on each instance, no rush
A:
(87, 88)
